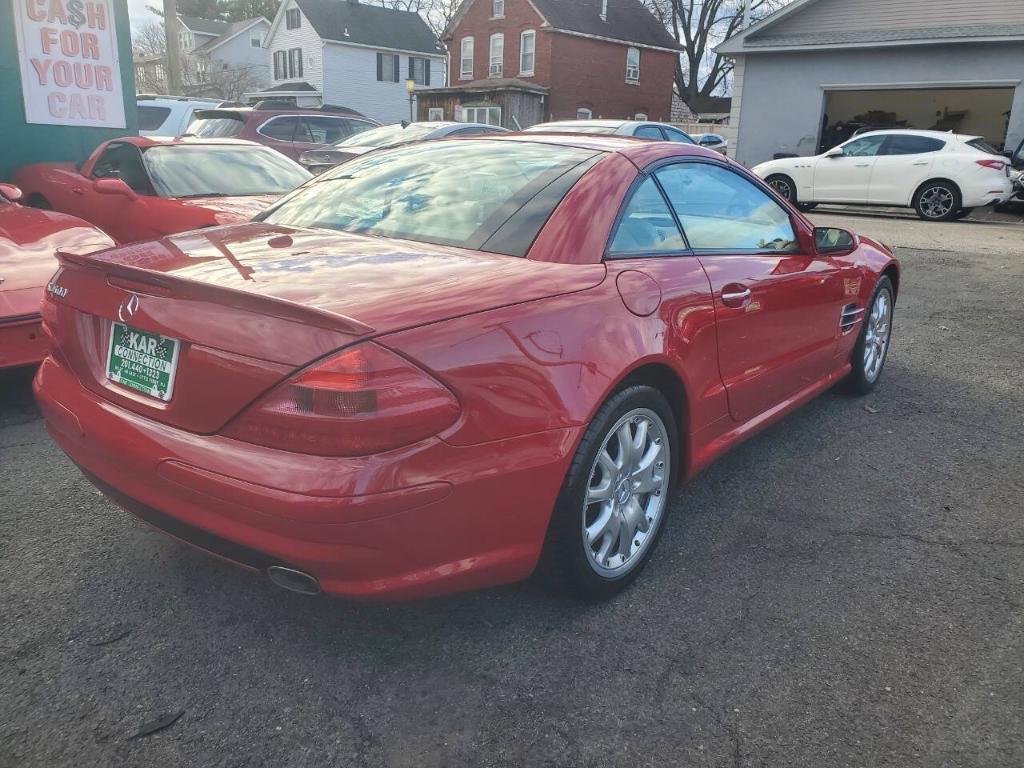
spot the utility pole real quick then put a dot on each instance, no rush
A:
(173, 46)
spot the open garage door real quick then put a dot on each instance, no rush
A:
(977, 111)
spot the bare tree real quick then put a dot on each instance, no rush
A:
(700, 25)
(149, 40)
(437, 13)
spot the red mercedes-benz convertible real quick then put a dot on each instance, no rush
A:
(144, 187)
(431, 367)
(28, 240)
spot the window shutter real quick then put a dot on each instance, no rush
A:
(426, 71)
(380, 66)
(298, 58)
(397, 70)
(412, 69)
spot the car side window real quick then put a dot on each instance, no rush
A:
(720, 210)
(280, 128)
(649, 132)
(674, 134)
(326, 130)
(358, 126)
(123, 161)
(911, 145)
(869, 146)
(646, 226)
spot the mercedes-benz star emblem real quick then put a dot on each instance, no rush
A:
(128, 308)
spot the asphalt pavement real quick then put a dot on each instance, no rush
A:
(846, 589)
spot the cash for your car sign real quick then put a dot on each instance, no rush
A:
(67, 50)
(143, 361)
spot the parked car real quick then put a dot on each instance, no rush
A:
(291, 131)
(713, 141)
(28, 240)
(639, 128)
(168, 115)
(317, 161)
(138, 188)
(940, 175)
(425, 368)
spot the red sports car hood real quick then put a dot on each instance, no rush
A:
(384, 284)
(28, 239)
(235, 208)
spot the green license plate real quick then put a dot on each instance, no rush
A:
(142, 361)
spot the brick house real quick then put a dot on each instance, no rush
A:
(519, 62)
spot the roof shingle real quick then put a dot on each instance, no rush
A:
(344, 21)
(628, 20)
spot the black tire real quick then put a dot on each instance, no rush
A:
(859, 382)
(937, 200)
(784, 185)
(963, 213)
(565, 557)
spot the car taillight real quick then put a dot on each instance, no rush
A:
(364, 400)
(995, 165)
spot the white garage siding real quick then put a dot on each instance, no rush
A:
(783, 94)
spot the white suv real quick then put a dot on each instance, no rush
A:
(168, 115)
(940, 175)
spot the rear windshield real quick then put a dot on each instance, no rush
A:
(213, 171)
(984, 146)
(151, 118)
(219, 125)
(388, 135)
(450, 193)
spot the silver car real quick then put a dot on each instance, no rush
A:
(713, 141)
(640, 128)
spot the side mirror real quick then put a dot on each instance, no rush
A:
(112, 186)
(835, 152)
(11, 192)
(832, 241)
(707, 140)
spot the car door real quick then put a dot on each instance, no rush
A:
(317, 131)
(649, 132)
(674, 134)
(846, 177)
(123, 219)
(904, 163)
(777, 306)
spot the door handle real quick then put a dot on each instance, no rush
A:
(78, 190)
(862, 165)
(735, 295)
(924, 163)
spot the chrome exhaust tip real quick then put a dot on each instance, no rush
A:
(293, 581)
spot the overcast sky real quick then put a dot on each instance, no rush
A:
(138, 13)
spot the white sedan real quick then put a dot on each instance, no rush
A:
(940, 175)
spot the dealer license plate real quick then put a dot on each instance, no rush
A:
(143, 361)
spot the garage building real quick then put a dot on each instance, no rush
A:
(811, 74)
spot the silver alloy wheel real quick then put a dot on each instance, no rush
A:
(783, 188)
(937, 201)
(876, 336)
(626, 493)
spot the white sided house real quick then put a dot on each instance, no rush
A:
(351, 54)
(237, 54)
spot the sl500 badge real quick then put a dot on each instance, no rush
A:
(57, 290)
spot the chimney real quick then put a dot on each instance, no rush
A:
(604, 10)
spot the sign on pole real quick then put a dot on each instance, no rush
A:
(67, 51)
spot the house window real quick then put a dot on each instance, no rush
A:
(435, 113)
(388, 67)
(292, 18)
(419, 70)
(486, 115)
(632, 65)
(584, 113)
(497, 54)
(497, 9)
(527, 48)
(294, 63)
(256, 39)
(640, 116)
(280, 65)
(466, 61)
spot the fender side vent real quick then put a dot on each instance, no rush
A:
(849, 318)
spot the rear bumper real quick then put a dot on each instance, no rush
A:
(987, 191)
(22, 341)
(420, 521)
